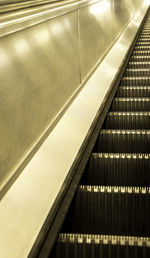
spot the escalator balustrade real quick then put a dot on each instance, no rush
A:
(110, 214)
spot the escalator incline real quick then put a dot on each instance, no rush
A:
(110, 214)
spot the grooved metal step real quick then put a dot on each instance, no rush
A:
(138, 65)
(101, 246)
(140, 58)
(145, 29)
(137, 72)
(118, 169)
(131, 104)
(142, 48)
(111, 210)
(124, 141)
(135, 81)
(127, 120)
(140, 53)
(141, 43)
(144, 39)
(133, 92)
(146, 35)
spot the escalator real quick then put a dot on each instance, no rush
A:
(110, 214)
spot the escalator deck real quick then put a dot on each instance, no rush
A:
(110, 214)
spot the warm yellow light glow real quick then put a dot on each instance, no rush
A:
(42, 37)
(148, 2)
(100, 7)
(4, 59)
(57, 28)
(21, 46)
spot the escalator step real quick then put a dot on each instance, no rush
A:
(137, 72)
(145, 27)
(101, 246)
(127, 120)
(144, 39)
(144, 32)
(138, 65)
(135, 92)
(130, 104)
(135, 81)
(110, 210)
(142, 48)
(118, 169)
(140, 58)
(130, 141)
(140, 53)
(141, 43)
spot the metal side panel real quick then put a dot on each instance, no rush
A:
(26, 205)
(39, 72)
(100, 24)
(46, 52)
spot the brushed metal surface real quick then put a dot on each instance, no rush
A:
(39, 72)
(15, 20)
(100, 25)
(43, 65)
(25, 206)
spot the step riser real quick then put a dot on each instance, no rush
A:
(135, 81)
(140, 53)
(83, 250)
(138, 65)
(130, 105)
(123, 143)
(136, 73)
(140, 58)
(116, 213)
(121, 171)
(127, 122)
(133, 92)
(144, 39)
(142, 48)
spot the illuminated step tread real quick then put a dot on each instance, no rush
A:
(140, 53)
(140, 58)
(127, 120)
(104, 239)
(131, 104)
(137, 72)
(101, 246)
(124, 141)
(135, 81)
(138, 65)
(110, 210)
(135, 92)
(118, 169)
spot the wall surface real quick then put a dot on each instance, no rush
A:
(43, 65)
(100, 24)
(39, 70)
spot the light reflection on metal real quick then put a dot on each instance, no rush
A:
(100, 7)
(42, 37)
(57, 28)
(4, 58)
(21, 46)
(51, 161)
